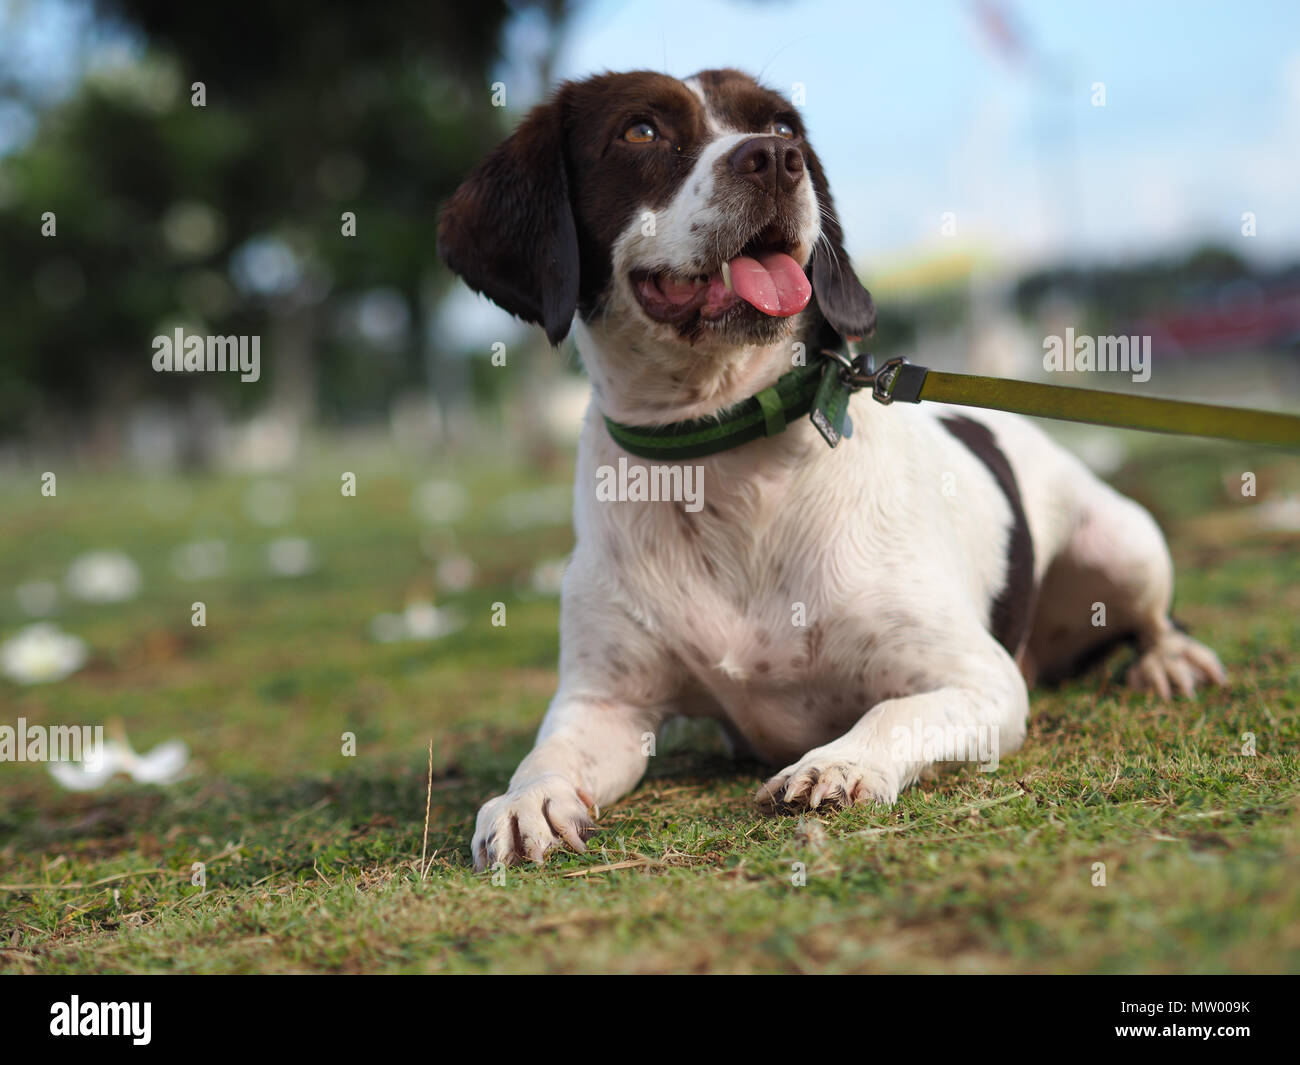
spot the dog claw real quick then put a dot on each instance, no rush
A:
(530, 821)
(1176, 663)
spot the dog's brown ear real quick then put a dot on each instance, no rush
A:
(843, 300)
(509, 229)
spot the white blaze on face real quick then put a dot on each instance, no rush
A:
(684, 230)
(699, 232)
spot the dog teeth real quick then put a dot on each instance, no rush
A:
(726, 276)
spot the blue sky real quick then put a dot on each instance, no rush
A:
(916, 113)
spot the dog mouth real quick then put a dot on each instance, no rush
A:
(764, 276)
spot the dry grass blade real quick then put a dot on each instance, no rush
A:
(631, 863)
(428, 798)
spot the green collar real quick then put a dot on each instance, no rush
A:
(764, 414)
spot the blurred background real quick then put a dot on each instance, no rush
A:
(1003, 171)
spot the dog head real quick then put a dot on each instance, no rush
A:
(694, 211)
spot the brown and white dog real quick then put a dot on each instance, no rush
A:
(856, 615)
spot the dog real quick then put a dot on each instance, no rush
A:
(825, 605)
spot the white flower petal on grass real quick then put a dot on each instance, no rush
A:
(439, 502)
(162, 765)
(455, 573)
(1281, 514)
(269, 503)
(103, 577)
(86, 776)
(424, 621)
(41, 653)
(38, 599)
(549, 505)
(199, 560)
(421, 620)
(291, 556)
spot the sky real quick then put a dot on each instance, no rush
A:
(917, 112)
(935, 135)
(939, 134)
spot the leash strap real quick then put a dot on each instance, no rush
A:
(901, 381)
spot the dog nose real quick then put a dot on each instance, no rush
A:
(772, 163)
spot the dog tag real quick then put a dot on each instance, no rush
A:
(830, 409)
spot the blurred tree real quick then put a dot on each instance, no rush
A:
(1122, 291)
(228, 216)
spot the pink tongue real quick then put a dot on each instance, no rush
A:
(774, 283)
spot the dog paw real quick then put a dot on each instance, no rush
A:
(530, 820)
(1177, 663)
(827, 778)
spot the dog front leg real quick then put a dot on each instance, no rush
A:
(978, 713)
(590, 751)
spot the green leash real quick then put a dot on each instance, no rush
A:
(823, 390)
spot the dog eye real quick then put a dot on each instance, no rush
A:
(640, 133)
(783, 129)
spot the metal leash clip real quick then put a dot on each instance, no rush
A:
(857, 371)
(882, 383)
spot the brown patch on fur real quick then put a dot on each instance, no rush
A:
(533, 225)
(1013, 609)
(813, 640)
(742, 103)
(685, 521)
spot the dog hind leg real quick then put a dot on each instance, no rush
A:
(1114, 580)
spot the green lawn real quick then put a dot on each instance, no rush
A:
(313, 858)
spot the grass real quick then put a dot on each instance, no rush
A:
(313, 858)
